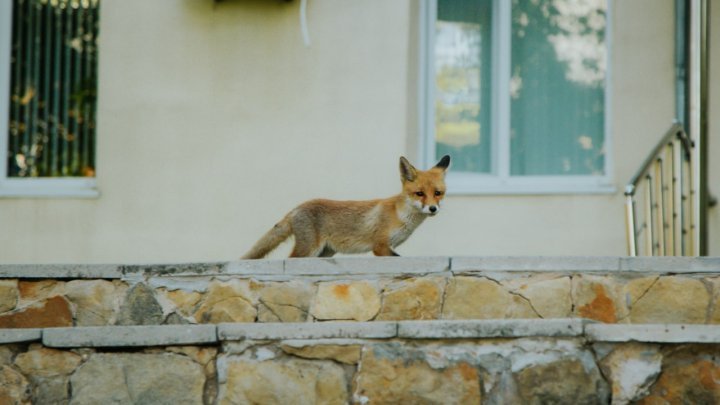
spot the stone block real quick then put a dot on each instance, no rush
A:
(366, 266)
(412, 299)
(714, 284)
(346, 354)
(690, 375)
(285, 302)
(129, 336)
(54, 312)
(356, 300)
(315, 330)
(549, 295)
(393, 374)
(9, 295)
(138, 378)
(671, 299)
(97, 302)
(566, 381)
(483, 298)
(45, 362)
(14, 387)
(140, 307)
(231, 301)
(490, 328)
(184, 302)
(282, 382)
(599, 298)
(48, 371)
(630, 370)
(36, 291)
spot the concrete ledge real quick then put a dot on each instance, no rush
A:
(129, 336)
(169, 335)
(653, 333)
(587, 264)
(315, 330)
(366, 265)
(534, 263)
(104, 271)
(243, 267)
(491, 328)
(20, 335)
(670, 264)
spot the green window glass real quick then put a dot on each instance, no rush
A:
(53, 69)
(518, 87)
(463, 49)
(557, 87)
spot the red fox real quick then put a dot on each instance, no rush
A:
(324, 227)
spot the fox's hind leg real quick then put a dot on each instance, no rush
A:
(305, 246)
(327, 252)
(307, 243)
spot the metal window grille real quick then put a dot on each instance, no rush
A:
(53, 88)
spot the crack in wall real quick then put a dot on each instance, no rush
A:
(630, 305)
(710, 310)
(572, 294)
(444, 297)
(268, 305)
(517, 294)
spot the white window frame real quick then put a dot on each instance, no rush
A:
(499, 181)
(73, 187)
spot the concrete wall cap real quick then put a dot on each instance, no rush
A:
(20, 335)
(653, 333)
(129, 336)
(490, 328)
(310, 330)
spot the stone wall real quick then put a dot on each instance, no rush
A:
(363, 330)
(609, 290)
(563, 361)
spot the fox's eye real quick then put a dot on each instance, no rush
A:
(438, 193)
(420, 194)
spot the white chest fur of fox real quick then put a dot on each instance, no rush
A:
(324, 227)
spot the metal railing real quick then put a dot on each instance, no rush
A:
(664, 220)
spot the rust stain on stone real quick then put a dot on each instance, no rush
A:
(468, 372)
(341, 291)
(52, 313)
(601, 308)
(709, 375)
(33, 289)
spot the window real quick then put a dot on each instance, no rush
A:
(514, 91)
(48, 79)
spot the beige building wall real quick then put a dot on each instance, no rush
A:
(215, 120)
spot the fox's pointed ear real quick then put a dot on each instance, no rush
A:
(407, 171)
(444, 163)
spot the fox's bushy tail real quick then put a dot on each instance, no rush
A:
(268, 242)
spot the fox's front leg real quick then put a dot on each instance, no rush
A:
(384, 249)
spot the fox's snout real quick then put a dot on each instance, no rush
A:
(431, 209)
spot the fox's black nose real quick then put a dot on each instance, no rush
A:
(432, 208)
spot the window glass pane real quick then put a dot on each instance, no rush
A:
(52, 90)
(462, 83)
(557, 87)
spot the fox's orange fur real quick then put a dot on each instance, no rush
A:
(325, 227)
